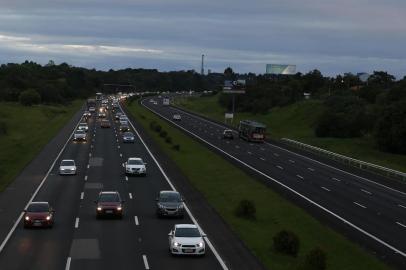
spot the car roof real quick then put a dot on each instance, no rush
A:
(108, 192)
(134, 158)
(177, 226)
(67, 160)
(168, 191)
(39, 203)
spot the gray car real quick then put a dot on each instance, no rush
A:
(170, 203)
(128, 137)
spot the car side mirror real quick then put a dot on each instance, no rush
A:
(170, 234)
(204, 235)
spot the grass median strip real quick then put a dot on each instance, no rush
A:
(254, 212)
(26, 131)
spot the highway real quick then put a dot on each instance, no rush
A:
(368, 212)
(80, 241)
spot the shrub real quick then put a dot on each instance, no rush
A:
(176, 147)
(316, 259)
(29, 97)
(246, 209)
(3, 128)
(163, 133)
(152, 125)
(286, 242)
(158, 128)
(168, 140)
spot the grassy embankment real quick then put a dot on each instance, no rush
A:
(297, 122)
(225, 190)
(25, 131)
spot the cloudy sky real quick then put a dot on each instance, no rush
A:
(334, 36)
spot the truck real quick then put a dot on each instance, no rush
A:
(251, 131)
(166, 102)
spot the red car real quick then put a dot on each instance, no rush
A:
(39, 214)
(109, 203)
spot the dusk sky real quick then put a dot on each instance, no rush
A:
(334, 36)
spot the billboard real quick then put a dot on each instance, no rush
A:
(280, 69)
(236, 86)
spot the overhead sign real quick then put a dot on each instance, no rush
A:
(234, 87)
(277, 69)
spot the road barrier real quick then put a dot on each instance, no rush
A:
(347, 160)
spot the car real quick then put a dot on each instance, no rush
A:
(87, 113)
(109, 203)
(170, 203)
(136, 166)
(67, 167)
(123, 120)
(83, 126)
(38, 214)
(186, 239)
(92, 109)
(101, 114)
(176, 117)
(128, 137)
(155, 103)
(124, 128)
(105, 123)
(79, 135)
(118, 115)
(228, 134)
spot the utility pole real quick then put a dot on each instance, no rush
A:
(202, 67)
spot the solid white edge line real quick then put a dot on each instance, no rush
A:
(67, 266)
(144, 258)
(288, 188)
(137, 222)
(213, 249)
(3, 244)
(77, 223)
(296, 154)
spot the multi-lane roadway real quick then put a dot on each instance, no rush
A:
(370, 212)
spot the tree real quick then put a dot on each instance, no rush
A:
(29, 97)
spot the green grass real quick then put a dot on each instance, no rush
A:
(224, 190)
(29, 129)
(297, 122)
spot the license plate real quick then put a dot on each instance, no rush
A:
(109, 211)
(37, 223)
(188, 250)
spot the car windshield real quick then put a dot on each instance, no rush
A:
(67, 163)
(80, 132)
(38, 207)
(169, 197)
(128, 134)
(82, 125)
(135, 162)
(187, 232)
(110, 197)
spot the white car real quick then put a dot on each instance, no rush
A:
(79, 135)
(177, 117)
(136, 166)
(67, 167)
(83, 126)
(186, 239)
(123, 120)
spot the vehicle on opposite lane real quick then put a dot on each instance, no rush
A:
(176, 117)
(67, 167)
(170, 203)
(128, 137)
(109, 203)
(39, 214)
(135, 166)
(186, 239)
(228, 134)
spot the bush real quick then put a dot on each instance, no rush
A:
(158, 128)
(29, 97)
(246, 209)
(152, 125)
(163, 133)
(176, 147)
(316, 259)
(286, 242)
(168, 140)
(3, 128)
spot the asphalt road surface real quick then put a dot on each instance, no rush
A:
(368, 211)
(80, 241)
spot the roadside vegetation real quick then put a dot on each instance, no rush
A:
(281, 235)
(24, 131)
(298, 121)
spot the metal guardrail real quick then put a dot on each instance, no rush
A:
(350, 161)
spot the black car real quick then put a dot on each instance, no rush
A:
(124, 128)
(170, 203)
(128, 137)
(228, 134)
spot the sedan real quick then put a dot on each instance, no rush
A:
(170, 203)
(228, 134)
(135, 166)
(186, 239)
(39, 214)
(177, 117)
(124, 128)
(109, 203)
(67, 167)
(83, 126)
(128, 137)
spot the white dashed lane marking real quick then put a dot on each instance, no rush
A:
(326, 189)
(136, 220)
(77, 223)
(360, 205)
(299, 176)
(82, 195)
(366, 191)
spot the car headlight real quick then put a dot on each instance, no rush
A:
(72, 169)
(180, 206)
(160, 206)
(119, 208)
(99, 208)
(200, 245)
(176, 244)
(48, 217)
(27, 218)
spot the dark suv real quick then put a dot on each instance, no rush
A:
(109, 203)
(169, 203)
